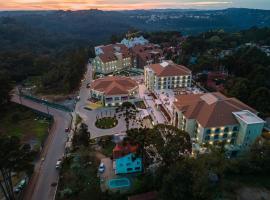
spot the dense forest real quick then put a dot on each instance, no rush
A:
(52, 47)
(55, 60)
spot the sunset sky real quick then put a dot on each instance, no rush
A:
(128, 4)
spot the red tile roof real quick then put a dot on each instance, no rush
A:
(114, 85)
(110, 50)
(211, 109)
(147, 52)
(171, 69)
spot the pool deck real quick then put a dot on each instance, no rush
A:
(109, 174)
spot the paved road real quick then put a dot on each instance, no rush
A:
(45, 173)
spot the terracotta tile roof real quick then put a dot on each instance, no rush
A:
(110, 50)
(114, 85)
(147, 52)
(211, 109)
(170, 69)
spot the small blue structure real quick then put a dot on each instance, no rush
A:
(128, 164)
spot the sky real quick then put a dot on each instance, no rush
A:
(129, 4)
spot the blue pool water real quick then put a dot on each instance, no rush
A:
(118, 183)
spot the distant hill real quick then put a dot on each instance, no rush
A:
(97, 26)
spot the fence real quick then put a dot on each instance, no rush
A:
(50, 104)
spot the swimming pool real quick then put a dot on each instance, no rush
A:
(118, 183)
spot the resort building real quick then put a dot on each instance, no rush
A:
(111, 58)
(212, 118)
(114, 90)
(129, 43)
(166, 75)
(128, 164)
(146, 54)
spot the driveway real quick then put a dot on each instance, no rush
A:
(89, 117)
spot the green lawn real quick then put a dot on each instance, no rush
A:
(106, 122)
(24, 123)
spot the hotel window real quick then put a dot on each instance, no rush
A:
(216, 137)
(234, 134)
(217, 130)
(235, 128)
(226, 130)
(232, 141)
(225, 136)
(207, 138)
(208, 131)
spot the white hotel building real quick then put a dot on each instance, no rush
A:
(212, 118)
(111, 58)
(166, 75)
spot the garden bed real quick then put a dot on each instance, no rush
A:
(106, 122)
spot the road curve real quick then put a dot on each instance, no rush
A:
(45, 173)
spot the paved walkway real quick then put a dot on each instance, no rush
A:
(157, 116)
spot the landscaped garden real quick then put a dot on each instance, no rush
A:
(106, 122)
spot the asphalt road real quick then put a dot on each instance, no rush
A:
(45, 173)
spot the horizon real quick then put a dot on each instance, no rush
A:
(113, 5)
(150, 9)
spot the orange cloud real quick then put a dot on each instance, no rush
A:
(104, 4)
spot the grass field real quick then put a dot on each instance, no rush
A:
(24, 123)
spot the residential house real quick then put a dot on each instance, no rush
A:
(128, 164)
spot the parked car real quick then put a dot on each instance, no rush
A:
(20, 186)
(66, 130)
(78, 98)
(58, 164)
(101, 168)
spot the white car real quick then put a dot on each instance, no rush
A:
(58, 164)
(101, 168)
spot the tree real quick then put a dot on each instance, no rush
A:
(194, 178)
(129, 111)
(82, 136)
(260, 99)
(13, 158)
(167, 142)
(239, 88)
(5, 87)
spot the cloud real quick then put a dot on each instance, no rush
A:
(107, 4)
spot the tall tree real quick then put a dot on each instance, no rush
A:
(5, 87)
(13, 158)
(129, 111)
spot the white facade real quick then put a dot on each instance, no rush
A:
(155, 82)
(115, 100)
(241, 134)
(134, 41)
